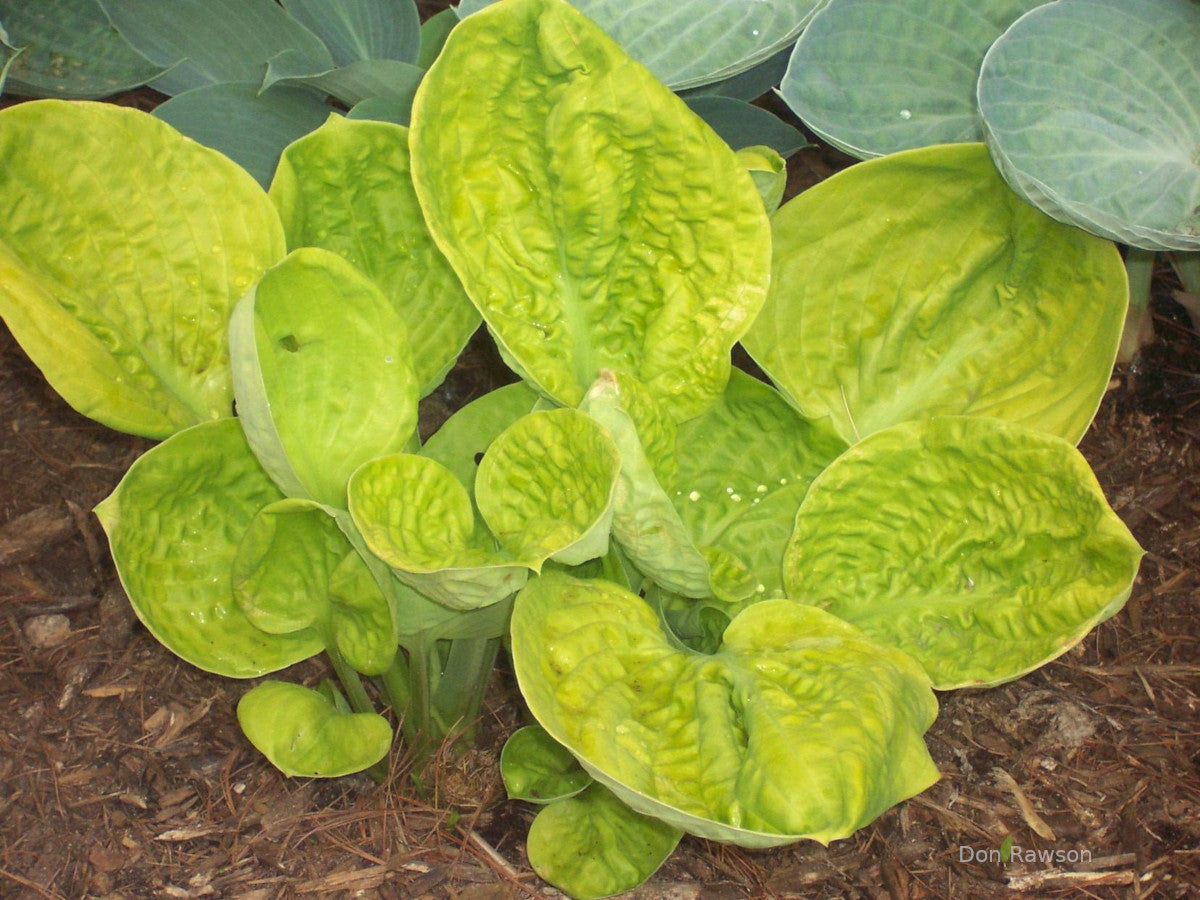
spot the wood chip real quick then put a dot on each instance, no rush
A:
(105, 691)
(1028, 813)
(184, 834)
(29, 535)
(1053, 878)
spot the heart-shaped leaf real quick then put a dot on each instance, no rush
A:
(303, 733)
(799, 726)
(593, 845)
(1092, 111)
(980, 547)
(874, 77)
(919, 284)
(174, 524)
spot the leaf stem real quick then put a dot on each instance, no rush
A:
(1139, 325)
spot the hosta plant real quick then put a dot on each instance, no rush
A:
(727, 602)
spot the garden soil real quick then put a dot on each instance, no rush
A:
(123, 773)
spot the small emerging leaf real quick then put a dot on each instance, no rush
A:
(304, 734)
(537, 768)
(593, 845)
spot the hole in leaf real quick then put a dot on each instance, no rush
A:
(478, 458)
(289, 343)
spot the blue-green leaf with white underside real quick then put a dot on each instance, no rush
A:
(362, 29)
(1092, 111)
(211, 41)
(691, 43)
(741, 124)
(351, 84)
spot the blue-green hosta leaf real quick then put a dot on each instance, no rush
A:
(351, 84)
(748, 85)
(69, 49)
(323, 374)
(8, 54)
(593, 845)
(394, 108)
(876, 76)
(123, 247)
(537, 768)
(689, 43)
(468, 433)
(174, 524)
(544, 489)
(211, 41)
(303, 733)
(362, 29)
(744, 467)
(919, 284)
(346, 188)
(741, 124)
(1092, 111)
(982, 548)
(295, 569)
(434, 32)
(769, 172)
(557, 199)
(247, 124)
(798, 727)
